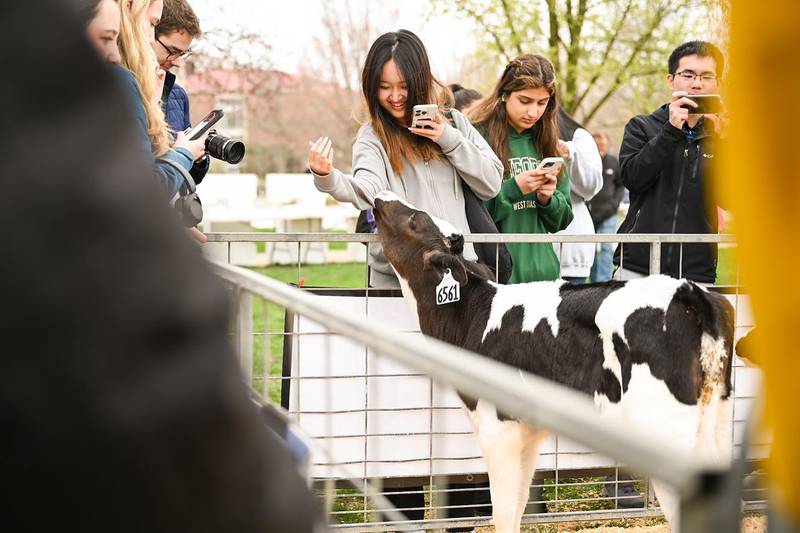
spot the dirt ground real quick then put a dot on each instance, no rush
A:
(751, 524)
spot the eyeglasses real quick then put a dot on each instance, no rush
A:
(172, 53)
(690, 75)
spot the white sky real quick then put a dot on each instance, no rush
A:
(289, 26)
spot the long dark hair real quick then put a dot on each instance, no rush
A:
(87, 9)
(408, 53)
(525, 72)
(567, 125)
(462, 96)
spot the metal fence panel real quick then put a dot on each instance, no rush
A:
(385, 422)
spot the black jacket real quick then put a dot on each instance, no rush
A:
(667, 179)
(605, 203)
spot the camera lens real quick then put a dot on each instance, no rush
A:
(224, 148)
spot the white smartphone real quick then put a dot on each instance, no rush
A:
(422, 113)
(550, 162)
(204, 125)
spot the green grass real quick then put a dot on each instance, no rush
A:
(348, 507)
(727, 266)
(261, 247)
(337, 245)
(268, 318)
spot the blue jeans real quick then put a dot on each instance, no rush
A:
(601, 269)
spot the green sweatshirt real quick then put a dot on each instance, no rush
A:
(514, 212)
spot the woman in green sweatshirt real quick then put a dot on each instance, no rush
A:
(519, 121)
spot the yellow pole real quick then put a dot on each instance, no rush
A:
(760, 178)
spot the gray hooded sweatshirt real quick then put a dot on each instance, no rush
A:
(433, 186)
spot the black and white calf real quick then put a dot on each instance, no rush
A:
(656, 349)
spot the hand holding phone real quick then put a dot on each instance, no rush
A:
(422, 113)
(551, 163)
(546, 190)
(707, 104)
(204, 125)
(196, 147)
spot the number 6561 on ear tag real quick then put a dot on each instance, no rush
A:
(448, 290)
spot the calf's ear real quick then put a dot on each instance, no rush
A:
(456, 243)
(439, 262)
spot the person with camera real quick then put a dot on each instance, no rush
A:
(175, 32)
(139, 78)
(664, 161)
(116, 32)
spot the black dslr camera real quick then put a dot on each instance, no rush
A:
(217, 146)
(224, 148)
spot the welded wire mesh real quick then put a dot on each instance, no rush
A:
(376, 422)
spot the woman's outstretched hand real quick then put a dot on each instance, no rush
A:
(320, 156)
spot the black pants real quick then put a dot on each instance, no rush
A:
(471, 503)
(413, 502)
(475, 502)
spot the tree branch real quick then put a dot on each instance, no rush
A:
(480, 21)
(515, 40)
(642, 41)
(553, 39)
(606, 55)
(575, 23)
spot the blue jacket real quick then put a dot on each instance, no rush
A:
(175, 103)
(169, 177)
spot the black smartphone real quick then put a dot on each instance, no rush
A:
(204, 125)
(707, 104)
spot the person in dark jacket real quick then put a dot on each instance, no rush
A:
(603, 208)
(175, 32)
(664, 158)
(121, 402)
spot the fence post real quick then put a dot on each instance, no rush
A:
(655, 258)
(243, 332)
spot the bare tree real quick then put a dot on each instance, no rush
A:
(332, 80)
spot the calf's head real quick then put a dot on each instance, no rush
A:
(416, 243)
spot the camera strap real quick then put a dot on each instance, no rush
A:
(188, 205)
(185, 173)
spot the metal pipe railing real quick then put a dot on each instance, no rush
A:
(625, 238)
(525, 396)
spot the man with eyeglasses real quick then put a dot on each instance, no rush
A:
(175, 32)
(664, 160)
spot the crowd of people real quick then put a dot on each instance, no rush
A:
(141, 41)
(488, 147)
(494, 145)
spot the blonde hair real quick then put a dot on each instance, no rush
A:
(138, 57)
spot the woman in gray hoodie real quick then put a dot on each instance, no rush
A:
(424, 165)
